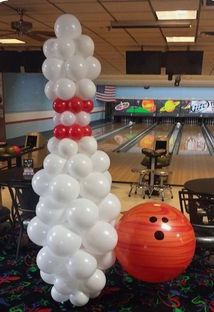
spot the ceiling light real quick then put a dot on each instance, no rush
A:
(3, 0)
(11, 41)
(177, 15)
(153, 24)
(180, 39)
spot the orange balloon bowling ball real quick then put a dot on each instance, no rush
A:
(156, 242)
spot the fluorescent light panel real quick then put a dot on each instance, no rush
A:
(180, 39)
(11, 41)
(177, 15)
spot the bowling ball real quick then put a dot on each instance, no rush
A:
(16, 149)
(2, 150)
(10, 150)
(156, 242)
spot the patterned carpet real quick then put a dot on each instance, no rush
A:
(22, 290)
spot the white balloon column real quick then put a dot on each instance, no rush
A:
(76, 212)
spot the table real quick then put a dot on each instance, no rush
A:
(18, 157)
(201, 186)
(13, 176)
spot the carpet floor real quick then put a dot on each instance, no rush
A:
(22, 290)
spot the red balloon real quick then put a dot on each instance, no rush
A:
(88, 106)
(61, 132)
(75, 132)
(156, 242)
(60, 105)
(75, 105)
(87, 131)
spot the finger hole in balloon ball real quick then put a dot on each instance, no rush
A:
(165, 220)
(159, 235)
(153, 219)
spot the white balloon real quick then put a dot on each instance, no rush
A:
(109, 208)
(87, 145)
(84, 46)
(79, 166)
(65, 286)
(40, 182)
(82, 213)
(82, 265)
(64, 88)
(49, 212)
(57, 296)
(52, 145)
(108, 176)
(75, 68)
(52, 68)
(79, 299)
(49, 90)
(67, 148)
(53, 164)
(48, 262)
(94, 67)
(100, 239)
(86, 89)
(96, 282)
(95, 186)
(67, 118)
(67, 25)
(66, 47)
(37, 231)
(56, 119)
(101, 161)
(47, 278)
(106, 261)
(64, 188)
(62, 241)
(83, 118)
(51, 48)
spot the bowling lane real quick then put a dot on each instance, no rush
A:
(211, 128)
(192, 141)
(112, 142)
(161, 131)
(105, 129)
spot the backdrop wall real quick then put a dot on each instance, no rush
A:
(26, 106)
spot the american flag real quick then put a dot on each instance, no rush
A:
(106, 93)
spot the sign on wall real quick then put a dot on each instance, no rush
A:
(2, 116)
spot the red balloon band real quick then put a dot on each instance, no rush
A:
(60, 105)
(74, 105)
(87, 131)
(88, 106)
(60, 132)
(75, 132)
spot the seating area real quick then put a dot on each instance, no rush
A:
(153, 180)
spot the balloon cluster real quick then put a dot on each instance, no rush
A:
(76, 212)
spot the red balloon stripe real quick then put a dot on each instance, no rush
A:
(61, 131)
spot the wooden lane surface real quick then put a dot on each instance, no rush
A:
(181, 169)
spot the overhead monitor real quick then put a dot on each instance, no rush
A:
(143, 62)
(184, 62)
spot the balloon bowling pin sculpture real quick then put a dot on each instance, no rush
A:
(76, 211)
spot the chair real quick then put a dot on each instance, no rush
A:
(142, 183)
(24, 202)
(196, 206)
(193, 205)
(161, 185)
(5, 215)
